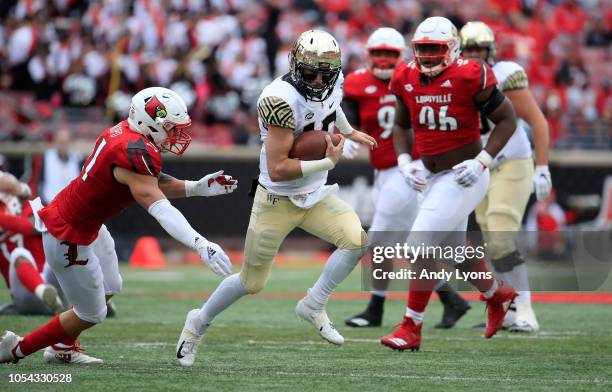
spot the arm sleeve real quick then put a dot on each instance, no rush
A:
(16, 224)
(143, 159)
(175, 223)
(275, 111)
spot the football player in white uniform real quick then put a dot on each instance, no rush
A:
(512, 174)
(292, 193)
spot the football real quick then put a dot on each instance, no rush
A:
(311, 145)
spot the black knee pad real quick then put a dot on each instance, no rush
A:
(508, 262)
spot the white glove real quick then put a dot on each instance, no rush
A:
(211, 185)
(350, 149)
(542, 182)
(410, 170)
(469, 171)
(215, 258)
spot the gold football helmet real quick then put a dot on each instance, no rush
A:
(478, 34)
(314, 53)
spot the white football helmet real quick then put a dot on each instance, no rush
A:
(161, 115)
(11, 203)
(436, 45)
(388, 39)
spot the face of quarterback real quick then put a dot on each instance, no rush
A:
(476, 52)
(317, 79)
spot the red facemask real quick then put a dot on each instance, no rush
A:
(177, 140)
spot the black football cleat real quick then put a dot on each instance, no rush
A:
(455, 307)
(371, 317)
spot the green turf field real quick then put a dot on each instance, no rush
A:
(259, 344)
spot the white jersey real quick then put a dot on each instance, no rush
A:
(511, 76)
(282, 105)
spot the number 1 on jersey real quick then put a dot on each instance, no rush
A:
(92, 160)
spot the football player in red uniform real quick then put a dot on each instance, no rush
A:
(124, 167)
(439, 99)
(370, 105)
(22, 262)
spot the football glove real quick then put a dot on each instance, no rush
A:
(350, 149)
(469, 171)
(542, 182)
(410, 170)
(211, 185)
(214, 257)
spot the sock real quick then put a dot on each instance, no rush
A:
(228, 292)
(338, 267)
(29, 276)
(420, 290)
(379, 293)
(70, 341)
(45, 336)
(489, 293)
(376, 304)
(480, 267)
(519, 279)
(417, 317)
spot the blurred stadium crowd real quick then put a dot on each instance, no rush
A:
(77, 62)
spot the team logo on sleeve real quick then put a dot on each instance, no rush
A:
(154, 108)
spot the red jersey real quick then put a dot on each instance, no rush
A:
(79, 210)
(18, 232)
(376, 108)
(442, 108)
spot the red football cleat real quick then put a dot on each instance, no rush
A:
(496, 310)
(407, 336)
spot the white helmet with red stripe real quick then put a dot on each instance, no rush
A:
(385, 39)
(161, 115)
(436, 45)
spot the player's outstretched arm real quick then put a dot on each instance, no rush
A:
(146, 192)
(527, 108)
(9, 184)
(213, 184)
(498, 109)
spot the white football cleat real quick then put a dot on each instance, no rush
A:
(319, 319)
(8, 342)
(48, 295)
(525, 319)
(187, 346)
(60, 353)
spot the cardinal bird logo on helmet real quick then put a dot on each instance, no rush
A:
(154, 108)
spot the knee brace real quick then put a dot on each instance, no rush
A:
(259, 251)
(508, 262)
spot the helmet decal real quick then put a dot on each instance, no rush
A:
(154, 108)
